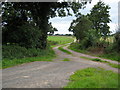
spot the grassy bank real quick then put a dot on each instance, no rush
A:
(93, 78)
(99, 60)
(111, 55)
(16, 57)
(9, 63)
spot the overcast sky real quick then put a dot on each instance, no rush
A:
(62, 24)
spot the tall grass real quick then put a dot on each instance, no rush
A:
(112, 55)
(18, 55)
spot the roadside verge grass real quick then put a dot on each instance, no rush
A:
(93, 78)
(99, 60)
(46, 56)
(112, 55)
(64, 50)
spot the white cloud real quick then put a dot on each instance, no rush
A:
(62, 26)
(113, 27)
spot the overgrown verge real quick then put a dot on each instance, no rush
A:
(14, 55)
(99, 60)
(93, 78)
(106, 52)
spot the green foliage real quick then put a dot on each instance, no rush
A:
(52, 42)
(15, 55)
(111, 55)
(117, 41)
(115, 65)
(16, 14)
(9, 63)
(99, 60)
(76, 47)
(80, 27)
(93, 59)
(51, 29)
(93, 78)
(100, 17)
(28, 36)
(64, 50)
(16, 52)
(66, 59)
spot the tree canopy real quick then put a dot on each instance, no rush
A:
(16, 14)
(99, 15)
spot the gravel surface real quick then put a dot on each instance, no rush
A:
(41, 74)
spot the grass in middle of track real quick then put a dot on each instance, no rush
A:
(64, 50)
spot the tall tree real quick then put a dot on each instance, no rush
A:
(100, 17)
(16, 13)
(80, 27)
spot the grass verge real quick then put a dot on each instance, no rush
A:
(112, 55)
(93, 59)
(99, 60)
(93, 78)
(66, 59)
(48, 56)
(114, 65)
(64, 50)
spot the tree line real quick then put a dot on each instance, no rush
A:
(89, 29)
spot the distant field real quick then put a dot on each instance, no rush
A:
(61, 39)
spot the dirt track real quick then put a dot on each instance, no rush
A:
(48, 74)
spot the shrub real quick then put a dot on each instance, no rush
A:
(117, 42)
(75, 45)
(15, 51)
(26, 35)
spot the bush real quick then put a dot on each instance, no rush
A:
(26, 35)
(15, 52)
(117, 42)
(75, 45)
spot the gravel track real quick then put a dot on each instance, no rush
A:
(42, 74)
